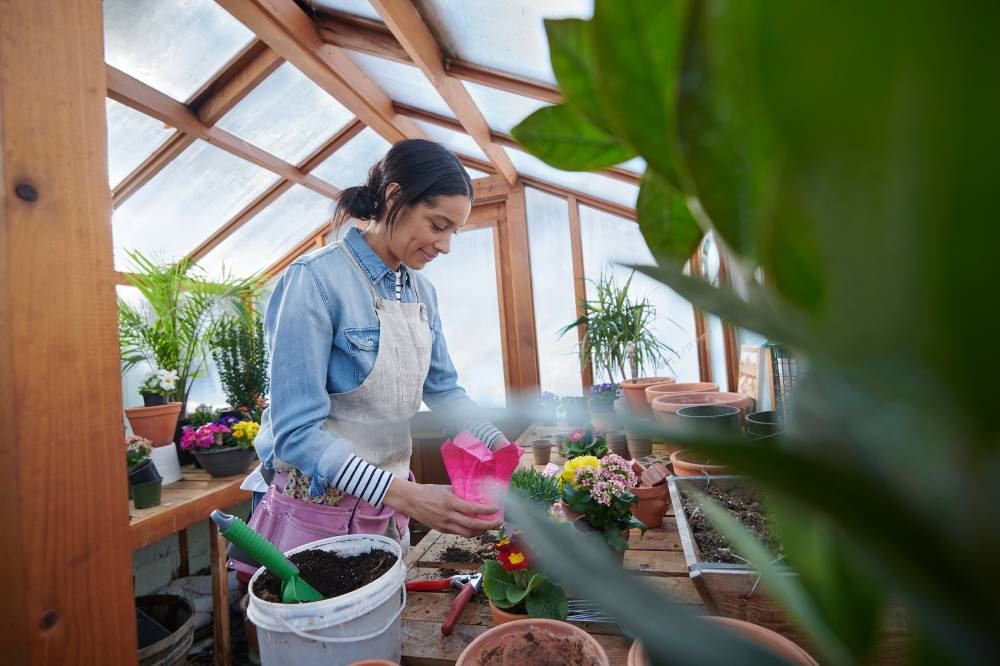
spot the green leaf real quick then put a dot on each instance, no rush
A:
(516, 595)
(638, 47)
(572, 57)
(665, 221)
(497, 583)
(548, 601)
(564, 139)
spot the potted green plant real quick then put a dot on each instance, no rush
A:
(516, 589)
(596, 497)
(223, 447)
(584, 442)
(538, 488)
(240, 353)
(157, 420)
(181, 313)
(144, 480)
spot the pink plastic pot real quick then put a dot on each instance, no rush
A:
(478, 474)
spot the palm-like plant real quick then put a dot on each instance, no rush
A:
(184, 310)
(618, 336)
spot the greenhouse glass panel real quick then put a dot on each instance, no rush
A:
(476, 173)
(508, 36)
(271, 234)
(132, 137)
(186, 202)
(402, 83)
(610, 241)
(636, 165)
(457, 142)
(593, 184)
(175, 47)
(554, 293)
(349, 166)
(292, 131)
(502, 110)
(466, 285)
(361, 8)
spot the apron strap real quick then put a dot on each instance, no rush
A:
(360, 271)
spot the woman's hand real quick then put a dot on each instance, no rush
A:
(439, 508)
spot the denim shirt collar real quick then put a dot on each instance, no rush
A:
(366, 257)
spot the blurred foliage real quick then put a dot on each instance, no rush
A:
(848, 150)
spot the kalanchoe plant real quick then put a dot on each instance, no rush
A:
(160, 382)
(584, 442)
(598, 489)
(512, 581)
(137, 449)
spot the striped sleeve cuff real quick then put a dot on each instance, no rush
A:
(485, 432)
(363, 480)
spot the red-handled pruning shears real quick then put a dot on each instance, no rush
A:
(469, 584)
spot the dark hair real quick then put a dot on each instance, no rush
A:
(423, 170)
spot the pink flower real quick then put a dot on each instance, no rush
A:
(576, 435)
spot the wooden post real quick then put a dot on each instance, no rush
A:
(518, 302)
(68, 593)
(183, 568)
(579, 285)
(220, 595)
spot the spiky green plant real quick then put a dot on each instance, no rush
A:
(240, 354)
(845, 150)
(535, 486)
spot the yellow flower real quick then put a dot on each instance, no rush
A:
(569, 469)
(516, 558)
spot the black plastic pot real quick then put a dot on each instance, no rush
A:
(721, 417)
(153, 400)
(765, 424)
(225, 462)
(143, 472)
(184, 457)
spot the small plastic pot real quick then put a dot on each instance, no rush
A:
(153, 399)
(541, 452)
(143, 471)
(145, 495)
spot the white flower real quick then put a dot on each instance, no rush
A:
(167, 383)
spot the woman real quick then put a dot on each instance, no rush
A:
(356, 343)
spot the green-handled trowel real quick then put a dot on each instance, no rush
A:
(293, 588)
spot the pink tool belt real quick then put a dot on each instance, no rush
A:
(288, 522)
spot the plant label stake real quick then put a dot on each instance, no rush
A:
(293, 588)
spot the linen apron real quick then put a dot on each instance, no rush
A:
(375, 418)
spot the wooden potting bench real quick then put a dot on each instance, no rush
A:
(182, 504)
(657, 558)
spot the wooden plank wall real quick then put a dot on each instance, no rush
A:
(66, 555)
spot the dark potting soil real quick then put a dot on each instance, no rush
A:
(331, 574)
(530, 650)
(743, 505)
(483, 548)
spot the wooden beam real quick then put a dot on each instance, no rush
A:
(374, 38)
(518, 298)
(292, 35)
(411, 31)
(500, 138)
(132, 92)
(728, 330)
(68, 594)
(489, 190)
(579, 286)
(152, 165)
(237, 80)
(275, 191)
(701, 325)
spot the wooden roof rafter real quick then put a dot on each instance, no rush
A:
(412, 32)
(292, 34)
(132, 92)
(212, 101)
(374, 38)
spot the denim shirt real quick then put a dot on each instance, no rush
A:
(323, 335)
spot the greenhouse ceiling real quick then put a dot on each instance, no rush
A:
(232, 125)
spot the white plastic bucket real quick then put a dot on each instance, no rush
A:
(165, 460)
(363, 624)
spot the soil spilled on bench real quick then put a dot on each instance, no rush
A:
(483, 548)
(743, 505)
(332, 575)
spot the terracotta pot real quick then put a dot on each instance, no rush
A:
(639, 446)
(665, 407)
(635, 394)
(685, 463)
(602, 414)
(501, 616)
(716, 417)
(756, 633)
(157, 424)
(656, 390)
(653, 503)
(541, 451)
(534, 641)
(618, 443)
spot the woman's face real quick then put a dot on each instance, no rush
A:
(422, 232)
